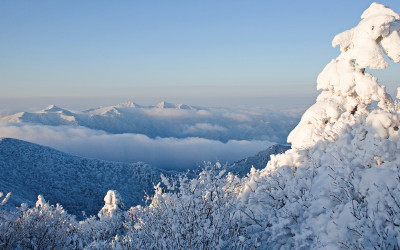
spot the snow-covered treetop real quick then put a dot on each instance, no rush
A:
(361, 48)
(346, 87)
(113, 204)
(41, 201)
(379, 27)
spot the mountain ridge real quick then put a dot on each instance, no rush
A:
(79, 184)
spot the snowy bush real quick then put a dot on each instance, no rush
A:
(274, 206)
(366, 210)
(109, 223)
(194, 214)
(41, 227)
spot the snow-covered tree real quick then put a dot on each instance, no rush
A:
(347, 89)
(344, 154)
(98, 232)
(194, 213)
(41, 227)
(113, 205)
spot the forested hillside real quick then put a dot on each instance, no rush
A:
(77, 183)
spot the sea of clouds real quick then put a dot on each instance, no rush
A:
(169, 153)
(166, 138)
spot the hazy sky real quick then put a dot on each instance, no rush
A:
(171, 49)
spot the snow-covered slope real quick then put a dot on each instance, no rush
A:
(168, 120)
(79, 184)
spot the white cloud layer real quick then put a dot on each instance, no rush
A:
(221, 124)
(169, 153)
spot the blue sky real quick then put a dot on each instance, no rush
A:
(170, 49)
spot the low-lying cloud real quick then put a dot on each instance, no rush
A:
(219, 124)
(168, 153)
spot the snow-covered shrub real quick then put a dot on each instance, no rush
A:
(41, 227)
(98, 232)
(6, 220)
(365, 210)
(274, 206)
(195, 213)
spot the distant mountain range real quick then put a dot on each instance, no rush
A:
(79, 184)
(168, 120)
(54, 115)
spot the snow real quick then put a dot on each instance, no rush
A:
(362, 42)
(391, 45)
